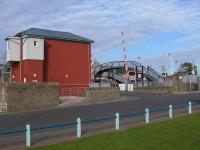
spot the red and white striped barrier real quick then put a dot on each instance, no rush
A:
(125, 58)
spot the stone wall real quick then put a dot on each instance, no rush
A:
(180, 86)
(103, 94)
(155, 89)
(22, 97)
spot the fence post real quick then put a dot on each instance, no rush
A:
(78, 127)
(147, 115)
(189, 107)
(28, 136)
(117, 121)
(170, 111)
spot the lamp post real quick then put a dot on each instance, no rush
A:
(193, 69)
(171, 63)
(176, 63)
(139, 59)
(192, 78)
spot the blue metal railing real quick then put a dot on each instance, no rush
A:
(196, 103)
(12, 131)
(98, 119)
(180, 106)
(58, 125)
(105, 118)
(159, 109)
(132, 114)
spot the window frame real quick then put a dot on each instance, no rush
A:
(35, 43)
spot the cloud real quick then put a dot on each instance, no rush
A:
(102, 20)
(178, 57)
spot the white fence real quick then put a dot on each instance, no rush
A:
(124, 87)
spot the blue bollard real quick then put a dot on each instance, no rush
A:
(170, 112)
(189, 107)
(117, 121)
(147, 115)
(28, 135)
(78, 127)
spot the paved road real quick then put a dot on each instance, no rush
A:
(133, 102)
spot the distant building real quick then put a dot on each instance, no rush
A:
(39, 55)
(164, 71)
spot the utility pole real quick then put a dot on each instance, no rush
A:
(192, 79)
(21, 54)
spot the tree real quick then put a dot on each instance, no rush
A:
(187, 68)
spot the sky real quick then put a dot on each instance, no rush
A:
(152, 28)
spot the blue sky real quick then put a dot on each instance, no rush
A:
(152, 28)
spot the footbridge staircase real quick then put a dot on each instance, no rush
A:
(137, 72)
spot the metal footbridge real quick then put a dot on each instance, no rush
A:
(137, 70)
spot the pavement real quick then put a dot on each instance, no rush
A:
(130, 102)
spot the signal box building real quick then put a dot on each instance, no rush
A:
(38, 55)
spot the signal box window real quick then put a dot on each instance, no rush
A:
(35, 43)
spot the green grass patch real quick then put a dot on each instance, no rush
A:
(182, 133)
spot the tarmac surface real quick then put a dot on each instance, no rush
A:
(130, 102)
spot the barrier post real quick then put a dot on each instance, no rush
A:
(147, 115)
(170, 111)
(189, 107)
(78, 127)
(28, 136)
(117, 121)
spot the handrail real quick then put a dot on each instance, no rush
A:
(98, 119)
(132, 114)
(63, 124)
(148, 71)
(12, 131)
(53, 126)
(159, 109)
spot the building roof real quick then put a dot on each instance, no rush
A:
(43, 33)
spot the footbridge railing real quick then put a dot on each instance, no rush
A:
(147, 72)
